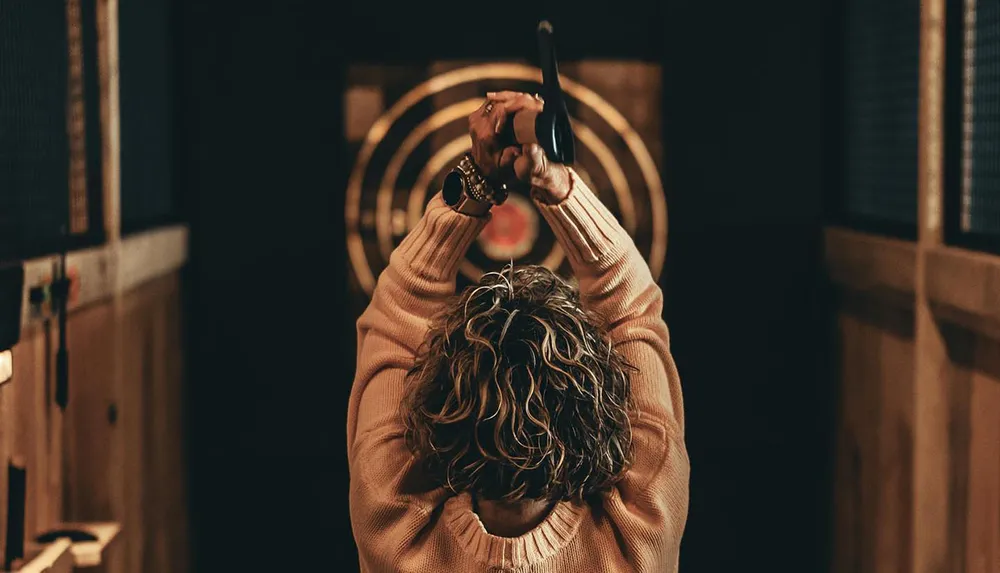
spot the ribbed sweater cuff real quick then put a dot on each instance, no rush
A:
(434, 249)
(585, 228)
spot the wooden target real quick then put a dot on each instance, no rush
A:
(408, 127)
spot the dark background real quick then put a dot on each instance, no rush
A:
(261, 165)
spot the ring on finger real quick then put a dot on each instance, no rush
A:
(488, 109)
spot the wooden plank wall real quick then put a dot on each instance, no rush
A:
(117, 452)
(874, 439)
(70, 455)
(918, 334)
(877, 488)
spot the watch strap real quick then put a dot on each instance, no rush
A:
(472, 207)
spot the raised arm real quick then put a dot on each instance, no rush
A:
(410, 291)
(651, 501)
(420, 277)
(616, 284)
(385, 512)
(389, 508)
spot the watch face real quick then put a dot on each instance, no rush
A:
(451, 192)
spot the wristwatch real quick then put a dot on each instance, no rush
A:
(467, 191)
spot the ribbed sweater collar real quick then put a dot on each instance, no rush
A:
(511, 553)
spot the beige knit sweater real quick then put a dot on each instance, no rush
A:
(401, 524)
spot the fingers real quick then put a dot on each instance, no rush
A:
(499, 117)
(525, 102)
(485, 126)
(476, 117)
(488, 120)
(517, 101)
(530, 162)
(489, 109)
(503, 96)
(523, 168)
(522, 104)
(509, 95)
(508, 156)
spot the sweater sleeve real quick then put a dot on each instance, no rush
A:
(616, 284)
(410, 291)
(389, 507)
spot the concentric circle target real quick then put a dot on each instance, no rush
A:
(403, 158)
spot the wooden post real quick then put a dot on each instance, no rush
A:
(123, 492)
(931, 401)
(76, 125)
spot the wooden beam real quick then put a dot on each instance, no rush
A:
(871, 264)
(964, 287)
(76, 123)
(123, 494)
(982, 549)
(101, 273)
(148, 256)
(931, 396)
(107, 64)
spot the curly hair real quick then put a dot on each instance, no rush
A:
(518, 393)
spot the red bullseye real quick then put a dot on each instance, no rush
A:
(511, 231)
(507, 227)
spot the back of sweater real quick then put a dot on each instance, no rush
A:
(402, 524)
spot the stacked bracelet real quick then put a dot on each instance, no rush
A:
(478, 187)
